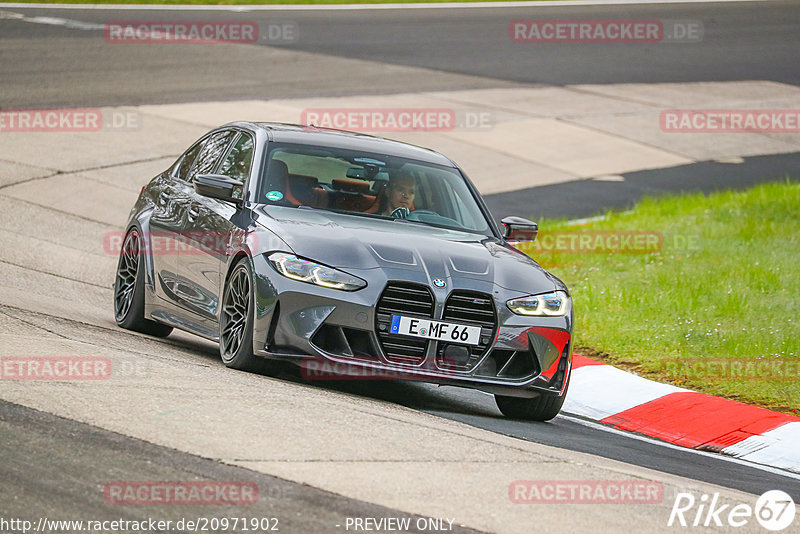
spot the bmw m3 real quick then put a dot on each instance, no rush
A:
(297, 244)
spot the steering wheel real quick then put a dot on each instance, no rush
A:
(400, 213)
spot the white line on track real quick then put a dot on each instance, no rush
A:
(52, 21)
(361, 7)
(652, 441)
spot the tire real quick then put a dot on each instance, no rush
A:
(541, 408)
(129, 290)
(236, 324)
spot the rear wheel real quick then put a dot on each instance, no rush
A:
(541, 408)
(236, 324)
(129, 290)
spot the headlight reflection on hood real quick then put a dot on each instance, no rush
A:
(311, 272)
(550, 304)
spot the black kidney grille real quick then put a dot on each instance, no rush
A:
(410, 300)
(404, 298)
(474, 309)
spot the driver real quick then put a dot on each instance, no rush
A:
(400, 192)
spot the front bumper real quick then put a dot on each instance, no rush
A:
(332, 334)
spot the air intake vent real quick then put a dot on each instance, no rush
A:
(345, 342)
(509, 364)
(474, 309)
(410, 300)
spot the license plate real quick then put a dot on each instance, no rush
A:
(429, 329)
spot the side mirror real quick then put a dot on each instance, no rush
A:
(219, 187)
(519, 230)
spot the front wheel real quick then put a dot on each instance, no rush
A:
(542, 408)
(236, 324)
(129, 290)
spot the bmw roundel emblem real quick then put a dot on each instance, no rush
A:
(438, 282)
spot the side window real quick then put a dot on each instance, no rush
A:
(211, 153)
(240, 159)
(188, 159)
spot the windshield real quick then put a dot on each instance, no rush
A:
(370, 185)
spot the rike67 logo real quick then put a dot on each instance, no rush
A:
(774, 510)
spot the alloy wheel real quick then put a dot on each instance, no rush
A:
(235, 313)
(127, 270)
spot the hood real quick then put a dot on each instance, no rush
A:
(358, 243)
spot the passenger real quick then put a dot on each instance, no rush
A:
(399, 194)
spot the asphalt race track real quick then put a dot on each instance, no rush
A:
(461, 48)
(322, 452)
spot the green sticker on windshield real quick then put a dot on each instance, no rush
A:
(274, 196)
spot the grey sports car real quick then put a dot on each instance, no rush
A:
(337, 250)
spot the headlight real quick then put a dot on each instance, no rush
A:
(296, 268)
(552, 304)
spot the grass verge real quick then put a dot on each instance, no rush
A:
(705, 294)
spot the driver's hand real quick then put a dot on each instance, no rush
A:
(401, 213)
